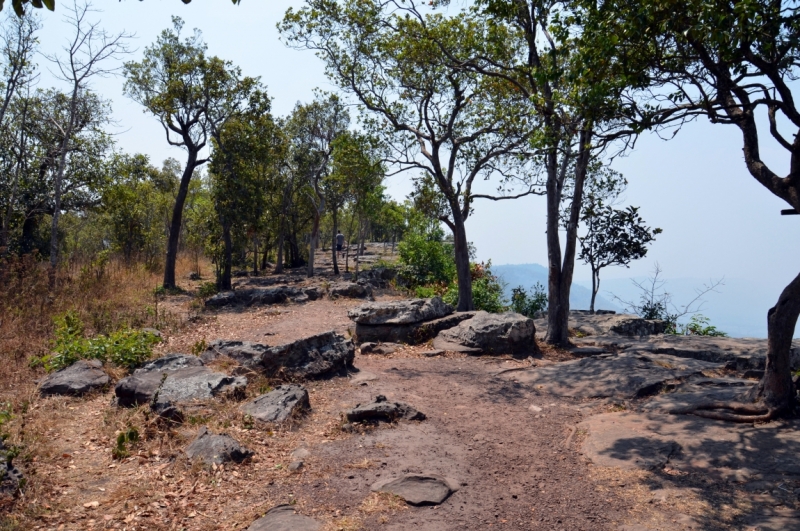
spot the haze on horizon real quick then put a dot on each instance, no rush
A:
(717, 221)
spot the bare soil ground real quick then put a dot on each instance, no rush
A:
(514, 452)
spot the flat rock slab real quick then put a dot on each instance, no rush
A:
(414, 333)
(383, 410)
(737, 353)
(263, 296)
(283, 403)
(380, 348)
(362, 377)
(622, 376)
(400, 312)
(177, 379)
(720, 450)
(350, 290)
(491, 333)
(284, 518)
(80, 378)
(699, 391)
(217, 449)
(418, 489)
(609, 324)
(316, 356)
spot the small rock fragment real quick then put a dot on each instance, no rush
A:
(418, 489)
(383, 410)
(217, 449)
(284, 518)
(279, 405)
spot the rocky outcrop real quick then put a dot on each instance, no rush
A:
(174, 380)
(400, 312)
(80, 378)
(316, 356)
(283, 403)
(284, 518)
(407, 321)
(383, 410)
(418, 489)
(495, 333)
(10, 477)
(350, 290)
(379, 348)
(263, 296)
(377, 277)
(609, 323)
(216, 449)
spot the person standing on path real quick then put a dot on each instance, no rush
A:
(339, 242)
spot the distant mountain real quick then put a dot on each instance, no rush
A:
(527, 275)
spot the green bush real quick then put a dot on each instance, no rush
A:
(124, 348)
(426, 258)
(487, 291)
(207, 289)
(528, 303)
(699, 326)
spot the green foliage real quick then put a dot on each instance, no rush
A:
(199, 347)
(700, 326)
(528, 303)
(124, 348)
(125, 440)
(207, 289)
(5, 417)
(487, 291)
(425, 257)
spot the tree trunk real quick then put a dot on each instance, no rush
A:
(312, 246)
(464, 275)
(776, 388)
(335, 214)
(255, 255)
(224, 282)
(595, 287)
(279, 258)
(177, 219)
(560, 273)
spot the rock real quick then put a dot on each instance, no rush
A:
(216, 449)
(301, 453)
(627, 375)
(383, 410)
(284, 518)
(313, 293)
(253, 296)
(78, 379)
(219, 300)
(400, 312)
(362, 377)
(418, 489)
(193, 276)
(432, 353)
(173, 380)
(281, 404)
(497, 333)
(295, 466)
(152, 332)
(414, 333)
(379, 348)
(349, 290)
(607, 323)
(315, 356)
(10, 477)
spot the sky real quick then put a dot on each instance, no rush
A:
(718, 222)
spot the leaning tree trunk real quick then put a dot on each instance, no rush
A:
(224, 282)
(463, 273)
(776, 388)
(177, 220)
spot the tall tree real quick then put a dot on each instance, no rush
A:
(727, 60)
(86, 56)
(192, 96)
(432, 115)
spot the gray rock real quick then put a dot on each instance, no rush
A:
(607, 323)
(316, 356)
(10, 477)
(497, 333)
(313, 293)
(418, 489)
(432, 353)
(350, 290)
(379, 348)
(78, 379)
(222, 299)
(253, 296)
(281, 404)
(173, 380)
(216, 449)
(362, 377)
(284, 518)
(295, 466)
(400, 312)
(383, 410)
(414, 333)
(627, 375)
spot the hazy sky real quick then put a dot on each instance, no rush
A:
(717, 221)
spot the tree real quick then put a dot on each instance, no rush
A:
(85, 54)
(433, 116)
(727, 61)
(192, 96)
(313, 128)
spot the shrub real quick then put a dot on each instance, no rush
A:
(487, 291)
(207, 289)
(699, 326)
(426, 258)
(528, 303)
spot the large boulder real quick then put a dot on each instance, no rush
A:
(412, 334)
(496, 333)
(78, 379)
(383, 410)
(216, 449)
(175, 379)
(350, 290)
(400, 312)
(281, 404)
(284, 518)
(316, 356)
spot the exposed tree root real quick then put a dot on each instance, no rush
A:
(731, 411)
